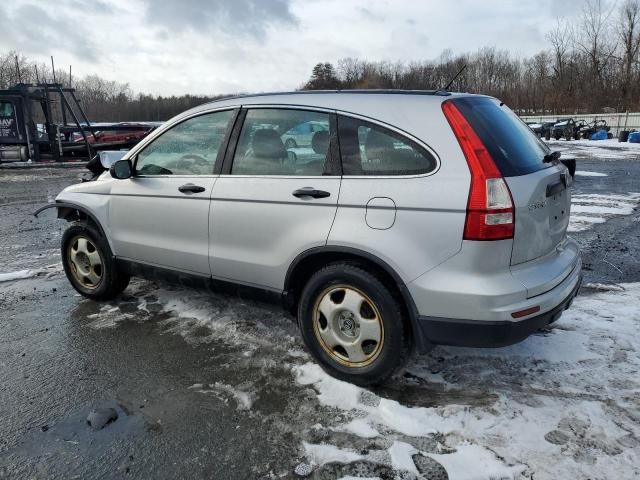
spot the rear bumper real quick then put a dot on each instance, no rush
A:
(488, 333)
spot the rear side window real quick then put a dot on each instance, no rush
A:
(515, 149)
(369, 149)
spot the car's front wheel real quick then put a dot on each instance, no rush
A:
(353, 324)
(89, 264)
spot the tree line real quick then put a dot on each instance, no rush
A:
(591, 64)
(101, 100)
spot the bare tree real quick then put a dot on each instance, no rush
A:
(594, 41)
(629, 32)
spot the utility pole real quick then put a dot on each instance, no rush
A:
(18, 70)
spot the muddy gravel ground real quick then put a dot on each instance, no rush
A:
(187, 383)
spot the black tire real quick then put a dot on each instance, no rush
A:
(112, 280)
(557, 136)
(290, 143)
(394, 348)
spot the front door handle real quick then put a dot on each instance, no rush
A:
(310, 192)
(191, 188)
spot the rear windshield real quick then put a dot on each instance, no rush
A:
(513, 146)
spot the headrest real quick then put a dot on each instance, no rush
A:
(267, 143)
(320, 142)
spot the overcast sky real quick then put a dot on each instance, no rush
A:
(227, 46)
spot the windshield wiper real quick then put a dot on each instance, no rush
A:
(551, 157)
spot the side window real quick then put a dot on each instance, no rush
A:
(369, 149)
(189, 148)
(6, 109)
(282, 142)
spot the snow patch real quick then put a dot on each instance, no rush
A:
(590, 209)
(321, 453)
(244, 400)
(601, 149)
(556, 411)
(401, 453)
(19, 275)
(470, 462)
(359, 427)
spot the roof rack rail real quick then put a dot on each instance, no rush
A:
(439, 92)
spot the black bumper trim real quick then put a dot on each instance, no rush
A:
(481, 333)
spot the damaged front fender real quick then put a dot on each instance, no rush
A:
(71, 212)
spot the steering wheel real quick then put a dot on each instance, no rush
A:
(192, 160)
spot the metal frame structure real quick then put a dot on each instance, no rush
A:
(58, 142)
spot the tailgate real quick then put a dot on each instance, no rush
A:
(542, 202)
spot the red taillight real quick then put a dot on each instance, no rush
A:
(490, 213)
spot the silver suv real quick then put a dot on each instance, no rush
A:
(413, 219)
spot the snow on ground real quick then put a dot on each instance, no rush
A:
(561, 415)
(7, 277)
(581, 173)
(47, 272)
(589, 209)
(565, 403)
(596, 149)
(243, 399)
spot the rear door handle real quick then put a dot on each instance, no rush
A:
(310, 192)
(191, 188)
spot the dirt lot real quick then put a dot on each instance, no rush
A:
(211, 386)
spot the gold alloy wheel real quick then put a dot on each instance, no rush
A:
(85, 262)
(348, 326)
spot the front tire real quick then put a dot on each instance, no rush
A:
(89, 263)
(353, 324)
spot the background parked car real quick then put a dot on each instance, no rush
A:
(568, 128)
(300, 136)
(589, 129)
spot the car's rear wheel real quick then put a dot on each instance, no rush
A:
(89, 264)
(353, 324)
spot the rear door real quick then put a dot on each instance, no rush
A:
(272, 202)
(540, 190)
(394, 202)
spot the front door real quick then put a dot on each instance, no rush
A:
(273, 202)
(160, 216)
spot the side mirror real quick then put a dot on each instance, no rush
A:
(122, 169)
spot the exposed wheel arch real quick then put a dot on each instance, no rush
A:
(308, 262)
(72, 212)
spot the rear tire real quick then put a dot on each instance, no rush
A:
(89, 263)
(353, 324)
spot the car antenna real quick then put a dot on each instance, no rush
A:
(446, 89)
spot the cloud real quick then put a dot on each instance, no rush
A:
(225, 46)
(31, 29)
(237, 17)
